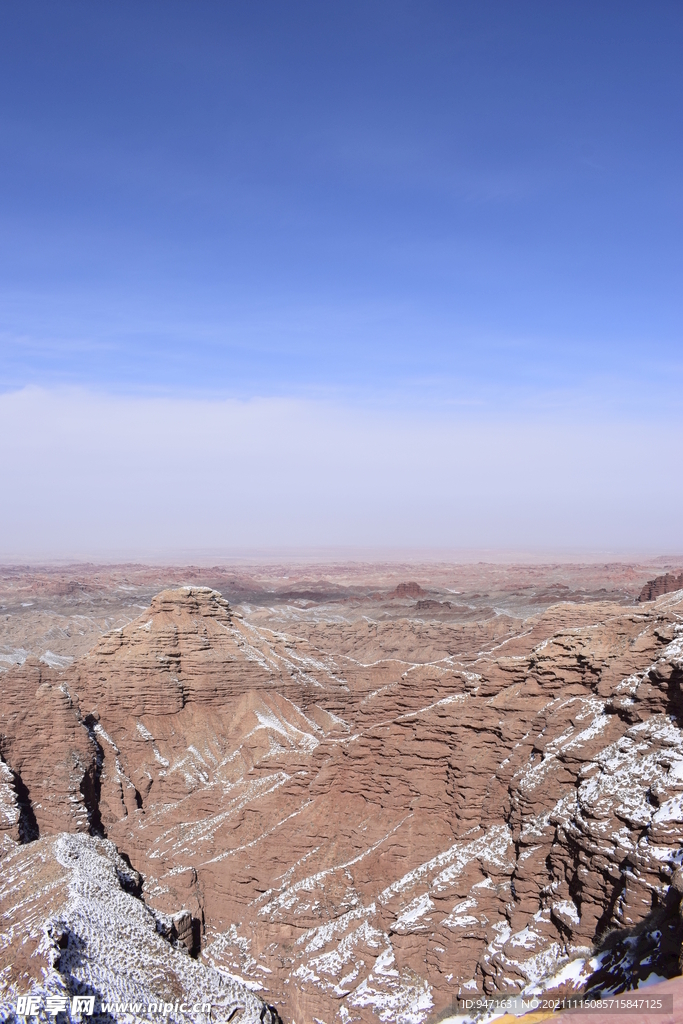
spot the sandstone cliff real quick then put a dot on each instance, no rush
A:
(369, 819)
(666, 584)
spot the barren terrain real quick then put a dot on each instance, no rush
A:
(376, 790)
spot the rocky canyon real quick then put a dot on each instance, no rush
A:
(339, 793)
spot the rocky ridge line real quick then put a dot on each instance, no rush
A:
(68, 901)
(374, 820)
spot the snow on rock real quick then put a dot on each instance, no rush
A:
(370, 818)
(65, 898)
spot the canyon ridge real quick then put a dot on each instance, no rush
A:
(339, 793)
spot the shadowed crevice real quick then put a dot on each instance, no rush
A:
(627, 956)
(28, 826)
(91, 785)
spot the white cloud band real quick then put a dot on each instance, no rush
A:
(90, 475)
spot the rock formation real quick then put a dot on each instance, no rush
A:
(51, 756)
(367, 820)
(408, 590)
(66, 902)
(666, 584)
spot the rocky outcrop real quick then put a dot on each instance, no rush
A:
(50, 754)
(179, 929)
(411, 589)
(433, 606)
(666, 584)
(369, 819)
(76, 930)
(186, 651)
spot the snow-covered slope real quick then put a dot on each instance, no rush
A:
(75, 927)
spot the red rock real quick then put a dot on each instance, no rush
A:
(408, 590)
(377, 816)
(666, 584)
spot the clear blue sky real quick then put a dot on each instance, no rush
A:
(469, 203)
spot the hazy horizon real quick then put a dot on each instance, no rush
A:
(158, 475)
(328, 558)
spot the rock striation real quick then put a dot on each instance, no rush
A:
(49, 757)
(66, 902)
(666, 584)
(372, 819)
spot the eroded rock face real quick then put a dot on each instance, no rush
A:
(368, 819)
(75, 929)
(411, 589)
(666, 584)
(50, 756)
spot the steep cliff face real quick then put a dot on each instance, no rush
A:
(50, 758)
(368, 819)
(666, 584)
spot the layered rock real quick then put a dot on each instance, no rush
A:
(411, 589)
(369, 819)
(50, 754)
(666, 584)
(75, 929)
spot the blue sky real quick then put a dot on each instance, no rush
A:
(445, 213)
(471, 203)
